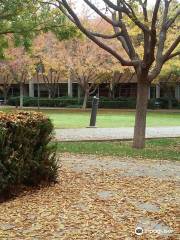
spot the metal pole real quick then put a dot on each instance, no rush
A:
(95, 103)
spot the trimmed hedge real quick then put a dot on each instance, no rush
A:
(128, 103)
(43, 102)
(162, 103)
(73, 102)
(26, 158)
(118, 103)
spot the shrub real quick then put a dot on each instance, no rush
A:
(26, 158)
(116, 103)
(44, 102)
(73, 102)
(162, 102)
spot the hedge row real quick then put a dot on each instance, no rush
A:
(26, 158)
(163, 103)
(44, 102)
(72, 102)
(103, 103)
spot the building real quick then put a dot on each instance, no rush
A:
(125, 89)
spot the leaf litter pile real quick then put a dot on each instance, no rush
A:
(98, 198)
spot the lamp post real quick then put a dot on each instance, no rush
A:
(39, 70)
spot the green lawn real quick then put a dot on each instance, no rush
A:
(112, 119)
(109, 118)
(165, 149)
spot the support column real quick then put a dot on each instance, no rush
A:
(157, 91)
(21, 94)
(79, 93)
(25, 90)
(70, 87)
(149, 92)
(58, 90)
(12, 91)
(177, 92)
(31, 88)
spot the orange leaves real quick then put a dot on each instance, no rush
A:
(93, 203)
(20, 64)
(23, 117)
(51, 52)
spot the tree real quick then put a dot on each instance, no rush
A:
(5, 79)
(21, 67)
(88, 65)
(51, 80)
(153, 25)
(50, 52)
(78, 58)
(23, 20)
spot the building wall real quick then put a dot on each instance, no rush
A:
(125, 90)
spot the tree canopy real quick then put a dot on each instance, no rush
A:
(22, 20)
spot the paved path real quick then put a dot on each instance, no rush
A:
(81, 134)
(98, 197)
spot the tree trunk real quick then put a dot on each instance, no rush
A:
(85, 100)
(21, 95)
(141, 110)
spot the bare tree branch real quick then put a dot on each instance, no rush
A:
(168, 53)
(113, 23)
(94, 39)
(144, 8)
(104, 35)
(125, 39)
(172, 20)
(153, 39)
(128, 10)
(162, 34)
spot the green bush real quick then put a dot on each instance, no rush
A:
(26, 157)
(116, 104)
(103, 103)
(162, 102)
(73, 102)
(43, 102)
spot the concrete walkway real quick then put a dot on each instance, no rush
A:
(85, 134)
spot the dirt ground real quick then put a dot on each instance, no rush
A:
(98, 198)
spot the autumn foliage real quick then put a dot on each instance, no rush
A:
(25, 155)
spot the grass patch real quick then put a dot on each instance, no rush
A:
(107, 118)
(111, 119)
(167, 149)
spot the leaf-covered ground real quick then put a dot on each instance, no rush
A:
(98, 198)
